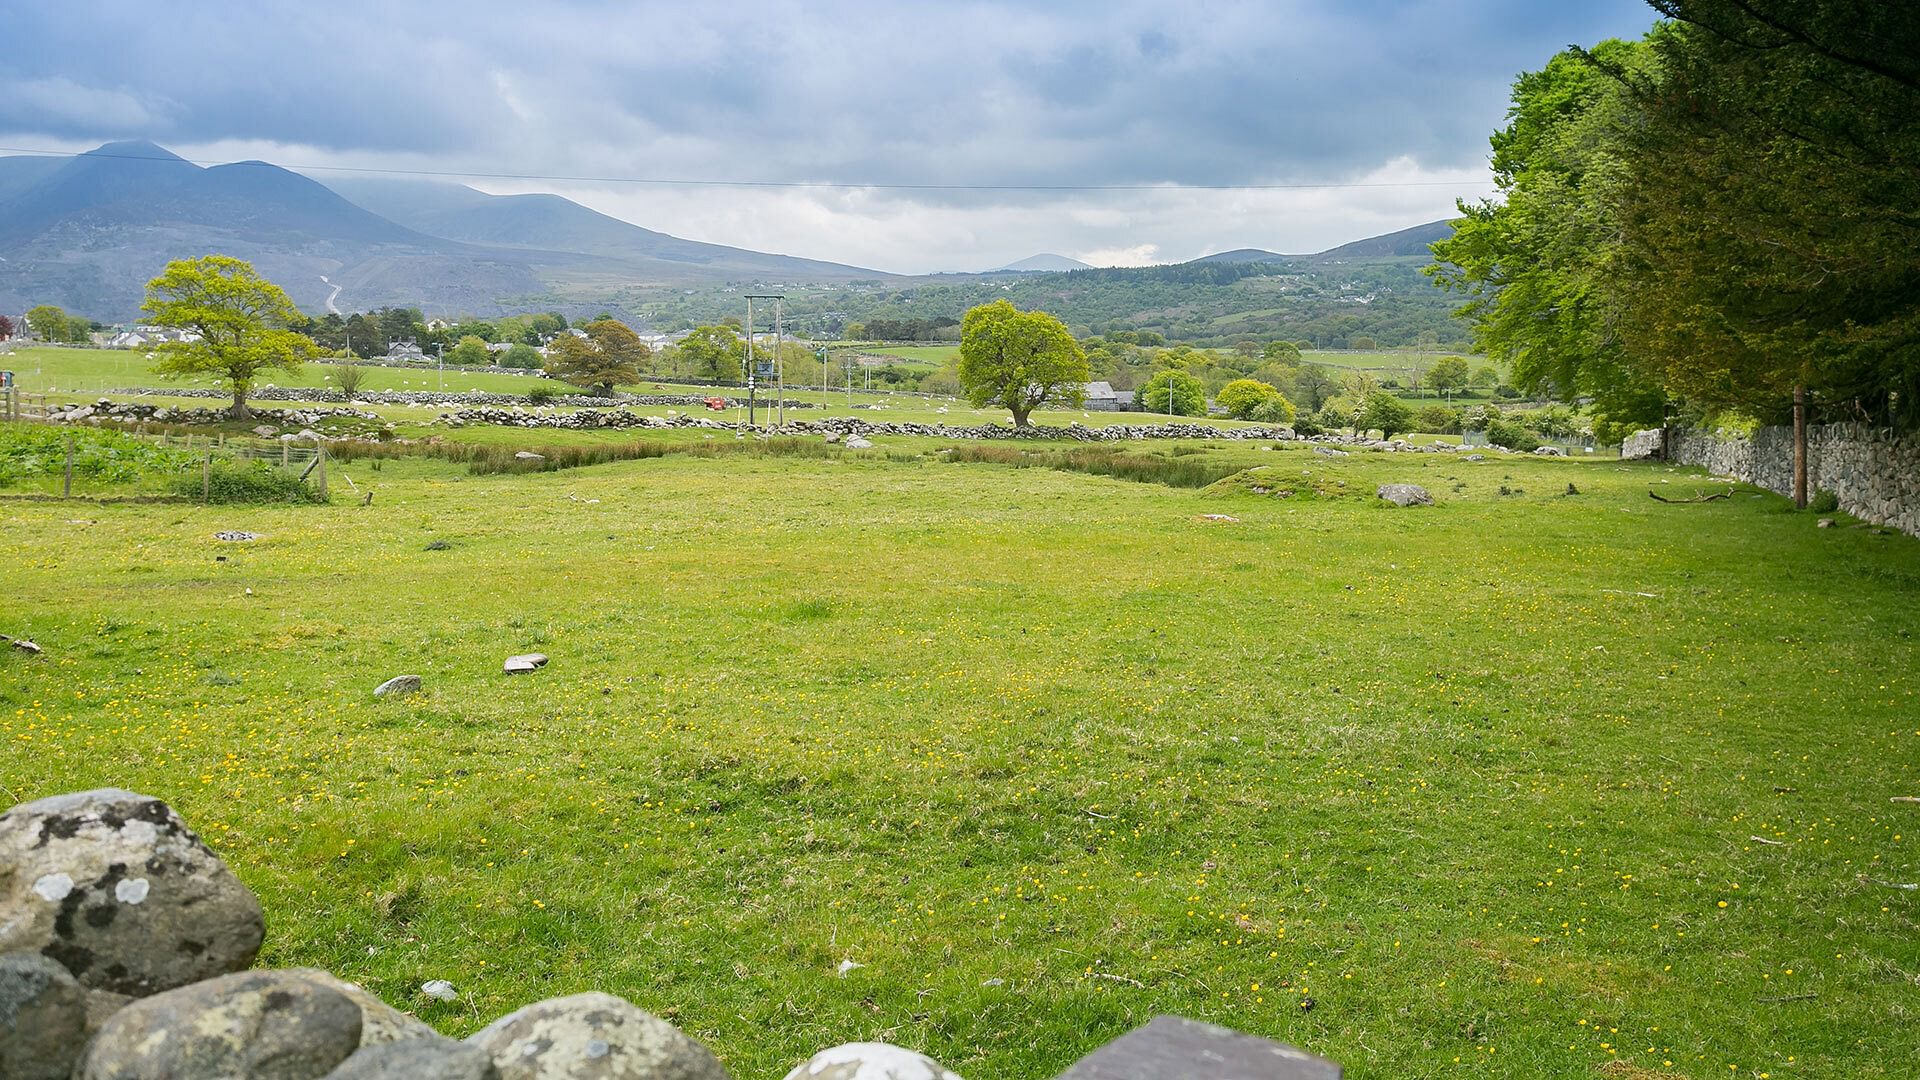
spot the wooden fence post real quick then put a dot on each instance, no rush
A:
(320, 452)
(66, 490)
(206, 478)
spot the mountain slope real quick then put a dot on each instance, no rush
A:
(1412, 241)
(1244, 255)
(552, 223)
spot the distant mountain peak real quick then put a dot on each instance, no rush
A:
(1046, 262)
(136, 149)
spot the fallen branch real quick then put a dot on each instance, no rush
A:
(1657, 497)
(1764, 840)
(1905, 798)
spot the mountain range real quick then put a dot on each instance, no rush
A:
(87, 233)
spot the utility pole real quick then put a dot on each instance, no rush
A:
(1800, 447)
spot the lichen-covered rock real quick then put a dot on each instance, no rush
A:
(43, 1018)
(430, 1058)
(871, 1061)
(379, 1021)
(1405, 495)
(101, 1005)
(261, 1025)
(114, 886)
(593, 1037)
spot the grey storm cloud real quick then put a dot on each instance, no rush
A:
(971, 93)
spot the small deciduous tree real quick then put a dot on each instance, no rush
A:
(1242, 396)
(1449, 375)
(47, 322)
(713, 352)
(1019, 360)
(1188, 395)
(6, 328)
(1386, 412)
(610, 355)
(239, 318)
(1281, 352)
(470, 352)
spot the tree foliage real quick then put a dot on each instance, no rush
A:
(1242, 396)
(610, 355)
(48, 322)
(240, 318)
(1019, 360)
(1187, 394)
(713, 352)
(1384, 411)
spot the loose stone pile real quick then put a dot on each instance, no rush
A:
(126, 943)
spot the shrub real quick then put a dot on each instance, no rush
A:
(1274, 410)
(1305, 424)
(542, 394)
(521, 355)
(1513, 436)
(1824, 502)
(245, 482)
(1241, 396)
(1437, 420)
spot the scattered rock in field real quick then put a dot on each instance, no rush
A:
(848, 965)
(517, 665)
(855, 442)
(1824, 523)
(116, 887)
(235, 536)
(397, 686)
(1328, 451)
(1475, 457)
(833, 436)
(1549, 451)
(266, 431)
(43, 1018)
(528, 455)
(439, 990)
(431, 1057)
(870, 1061)
(593, 1035)
(22, 644)
(1220, 517)
(379, 1021)
(1405, 494)
(439, 545)
(252, 1024)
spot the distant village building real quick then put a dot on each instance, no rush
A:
(405, 350)
(144, 337)
(1102, 397)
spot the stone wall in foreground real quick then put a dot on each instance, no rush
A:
(1875, 472)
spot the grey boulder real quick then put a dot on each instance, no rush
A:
(871, 1061)
(379, 1021)
(114, 886)
(43, 1018)
(593, 1037)
(398, 685)
(520, 665)
(262, 1025)
(1405, 494)
(427, 1058)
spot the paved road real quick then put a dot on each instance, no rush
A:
(332, 296)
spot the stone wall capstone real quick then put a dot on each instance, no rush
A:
(1874, 472)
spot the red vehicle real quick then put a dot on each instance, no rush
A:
(717, 404)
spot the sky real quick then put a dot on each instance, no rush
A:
(906, 137)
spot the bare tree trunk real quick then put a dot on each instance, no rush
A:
(240, 410)
(1800, 448)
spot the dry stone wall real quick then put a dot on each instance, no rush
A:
(1874, 472)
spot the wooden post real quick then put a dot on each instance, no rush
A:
(1800, 448)
(206, 479)
(283, 453)
(66, 490)
(320, 454)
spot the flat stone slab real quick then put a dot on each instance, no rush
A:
(1405, 494)
(520, 665)
(1175, 1048)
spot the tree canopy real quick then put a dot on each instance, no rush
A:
(610, 355)
(240, 320)
(1709, 218)
(713, 352)
(1019, 360)
(1188, 395)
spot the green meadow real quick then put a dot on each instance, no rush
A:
(997, 762)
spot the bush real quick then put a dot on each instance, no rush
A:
(1274, 410)
(1241, 396)
(1307, 425)
(521, 356)
(1437, 420)
(1510, 434)
(33, 450)
(1824, 502)
(542, 394)
(245, 482)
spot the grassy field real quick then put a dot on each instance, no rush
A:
(1519, 785)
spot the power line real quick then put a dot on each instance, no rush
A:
(659, 181)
